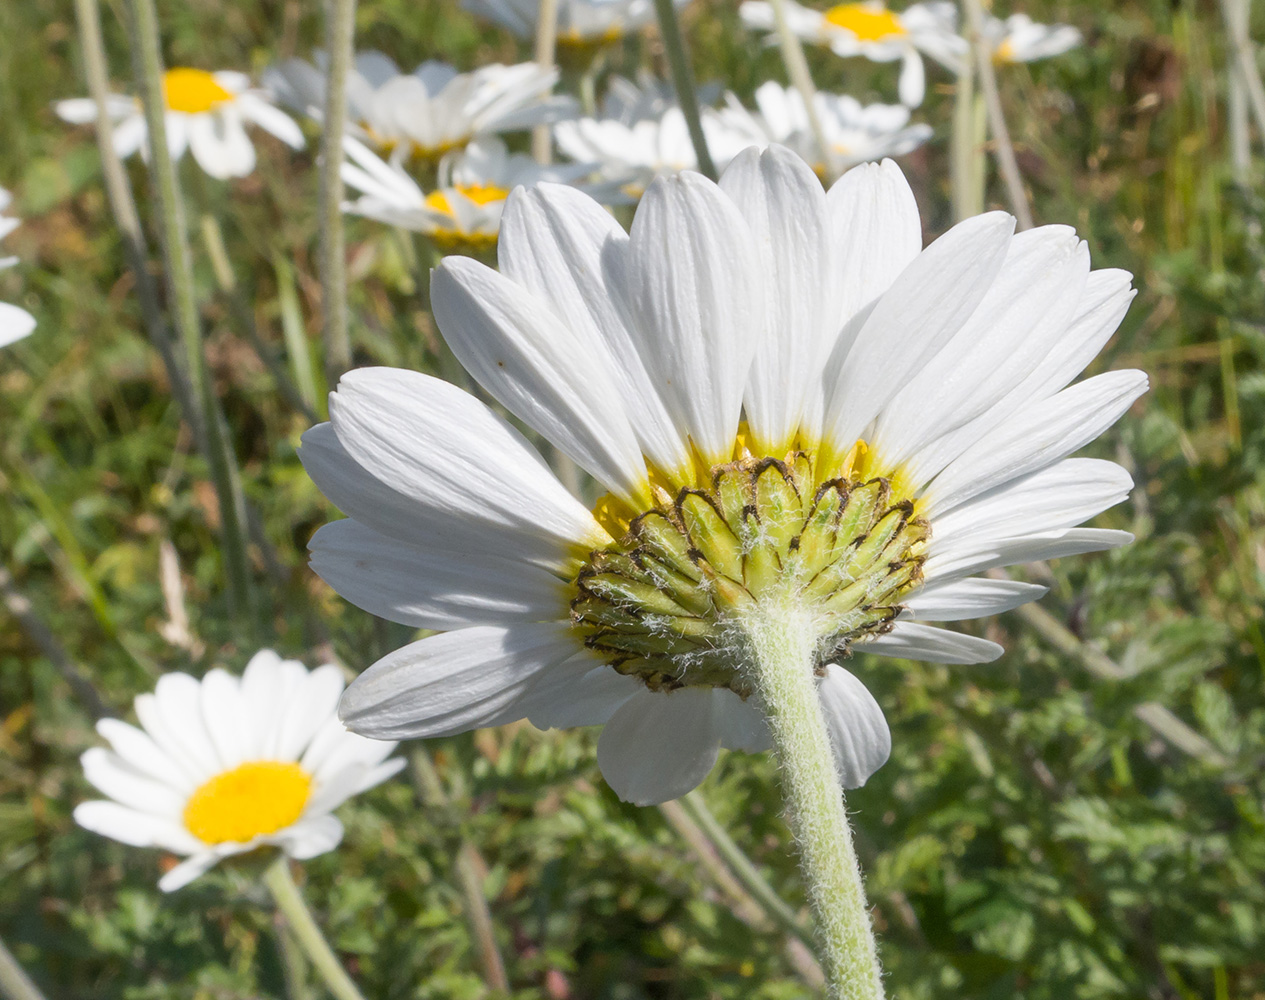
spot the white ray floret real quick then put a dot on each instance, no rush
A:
(226, 765)
(431, 111)
(206, 114)
(854, 132)
(464, 210)
(869, 28)
(792, 407)
(15, 323)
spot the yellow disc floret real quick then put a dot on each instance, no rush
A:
(868, 22)
(193, 91)
(480, 194)
(252, 800)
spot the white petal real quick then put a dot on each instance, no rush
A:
(858, 731)
(313, 703)
(975, 555)
(138, 748)
(582, 691)
(15, 324)
(554, 240)
(177, 711)
(310, 837)
(961, 599)
(430, 440)
(269, 686)
(224, 716)
(1061, 496)
(129, 786)
(271, 120)
(741, 725)
(909, 641)
(927, 304)
(453, 682)
(659, 745)
(429, 587)
(1036, 438)
(785, 208)
(188, 870)
(913, 79)
(220, 145)
(137, 829)
(129, 135)
(692, 294)
(556, 380)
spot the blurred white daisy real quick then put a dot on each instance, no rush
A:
(463, 212)
(207, 113)
(855, 132)
(870, 29)
(580, 22)
(432, 110)
(225, 765)
(793, 413)
(1020, 39)
(15, 323)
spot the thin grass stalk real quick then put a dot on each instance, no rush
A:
(802, 79)
(966, 167)
(683, 83)
(1237, 15)
(1239, 122)
(147, 55)
(306, 931)
(1005, 150)
(340, 32)
(15, 984)
(123, 208)
(546, 56)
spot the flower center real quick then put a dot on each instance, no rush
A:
(480, 194)
(192, 91)
(867, 22)
(666, 603)
(252, 800)
(1005, 52)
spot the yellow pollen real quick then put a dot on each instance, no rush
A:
(480, 194)
(252, 800)
(193, 91)
(867, 22)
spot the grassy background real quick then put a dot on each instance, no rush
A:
(1030, 836)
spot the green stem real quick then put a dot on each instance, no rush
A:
(967, 147)
(290, 902)
(147, 53)
(683, 82)
(14, 983)
(340, 31)
(545, 55)
(802, 79)
(783, 657)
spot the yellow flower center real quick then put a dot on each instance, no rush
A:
(193, 91)
(666, 602)
(1005, 52)
(480, 194)
(252, 800)
(868, 23)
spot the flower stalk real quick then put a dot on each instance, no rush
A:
(781, 646)
(290, 902)
(340, 30)
(15, 984)
(802, 80)
(683, 83)
(545, 54)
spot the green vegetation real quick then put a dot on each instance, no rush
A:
(1040, 831)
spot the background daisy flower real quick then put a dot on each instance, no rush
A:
(15, 323)
(854, 132)
(225, 765)
(792, 412)
(464, 210)
(432, 110)
(207, 113)
(868, 28)
(1020, 39)
(580, 22)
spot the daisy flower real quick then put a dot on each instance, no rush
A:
(854, 132)
(225, 765)
(1020, 39)
(580, 22)
(15, 323)
(432, 110)
(870, 29)
(206, 113)
(795, 418)
(464, 210)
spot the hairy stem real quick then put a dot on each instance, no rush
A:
(782, 658)
(290, 902)
(546, 46)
